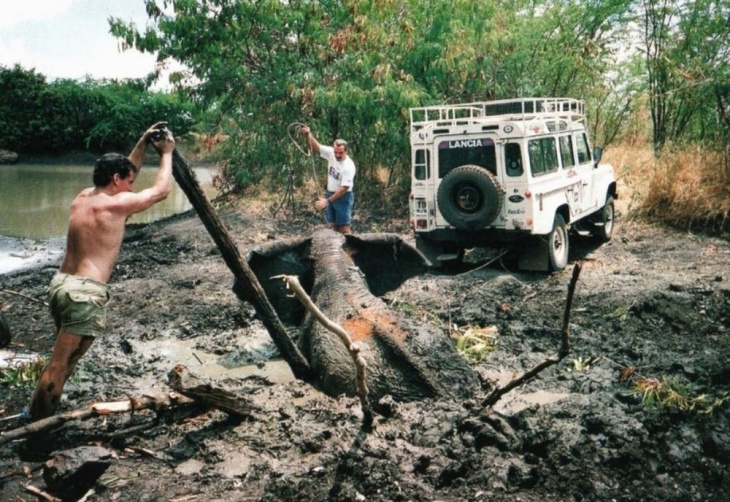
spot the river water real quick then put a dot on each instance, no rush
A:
(34, 204)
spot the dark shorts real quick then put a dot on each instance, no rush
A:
(78, 305)
(339, 212)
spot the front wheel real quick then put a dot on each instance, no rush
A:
(558, 245)
(603, 226)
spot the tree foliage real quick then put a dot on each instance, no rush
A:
(37, 116)
(687, 59)
(353, 68)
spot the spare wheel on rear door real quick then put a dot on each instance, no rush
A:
(469, 197)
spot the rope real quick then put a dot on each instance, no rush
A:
(499, 257)
(298, 126)
(293, 130)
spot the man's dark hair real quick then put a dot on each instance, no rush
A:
(110, 164)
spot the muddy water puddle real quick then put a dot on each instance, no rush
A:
(514, 402)
(253, 359)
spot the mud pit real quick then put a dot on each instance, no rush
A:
(653, 299)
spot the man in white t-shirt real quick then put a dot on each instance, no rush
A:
(339, 199)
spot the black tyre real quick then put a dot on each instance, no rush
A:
(469, 197)
(558, 245)
(4, 332)
(603, 225)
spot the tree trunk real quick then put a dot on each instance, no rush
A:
(245, 278)
(404, 360)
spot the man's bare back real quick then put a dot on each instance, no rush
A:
(94, 237)
(78, 293)
(98, 216)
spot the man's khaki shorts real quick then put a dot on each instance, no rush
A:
(78, 305)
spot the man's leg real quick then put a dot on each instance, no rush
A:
(343, 213)
(67, 351)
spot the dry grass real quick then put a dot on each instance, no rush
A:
(686, 187)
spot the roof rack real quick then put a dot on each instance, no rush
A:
(507, 109)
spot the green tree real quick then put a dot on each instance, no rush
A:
(65, 115)
(21, 107)
(353, 68)
(687, 58)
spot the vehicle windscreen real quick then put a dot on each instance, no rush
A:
(460, 152)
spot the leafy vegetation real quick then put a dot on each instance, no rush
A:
(352, 69)
(43, 117)
(26, 374)
(654, 75)
(672, 395)
(474, 343)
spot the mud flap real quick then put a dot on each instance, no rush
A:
(534, 255)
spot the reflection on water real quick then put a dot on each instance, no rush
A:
(35, 199)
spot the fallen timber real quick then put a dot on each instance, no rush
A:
(405, 360)
(344, 276)
(185, 177)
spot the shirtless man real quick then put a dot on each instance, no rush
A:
(78, 292)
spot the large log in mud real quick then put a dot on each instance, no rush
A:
(345, 275)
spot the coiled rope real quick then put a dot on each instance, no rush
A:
(293, 130)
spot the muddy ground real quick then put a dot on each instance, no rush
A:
(654, 300)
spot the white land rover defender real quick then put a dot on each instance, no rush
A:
(518, 173)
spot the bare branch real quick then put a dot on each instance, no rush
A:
(292, 283)
(497, 394)
(96, 409)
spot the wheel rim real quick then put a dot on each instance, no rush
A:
(559, 248)
(608, 220)
(468, 199)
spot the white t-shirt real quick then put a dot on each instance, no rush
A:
(338, 173)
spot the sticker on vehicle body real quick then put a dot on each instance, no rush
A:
(466, 143)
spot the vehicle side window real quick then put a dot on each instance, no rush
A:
(584, 150)
(543, 156)
(422, 165)
(566, 152)
(513, 159)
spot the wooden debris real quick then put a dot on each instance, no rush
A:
(496, 394)
(150, 402)
(37, 491)
(354, 349)
(245, 278)
(188, 384)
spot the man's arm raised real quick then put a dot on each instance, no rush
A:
(130, 203)
(139, 150)
(313, 143)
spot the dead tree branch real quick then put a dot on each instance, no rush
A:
(44, 495)
(10, 292)
(182, 380)
(131, 405)
(292, 283)
(241, 271)
(497, 394)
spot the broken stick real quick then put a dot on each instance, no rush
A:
(241, 271)
(496, 394)
(292, 283)
(96, 409)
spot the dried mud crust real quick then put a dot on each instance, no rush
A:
(652, 299)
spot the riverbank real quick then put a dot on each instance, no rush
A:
(21, 254)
